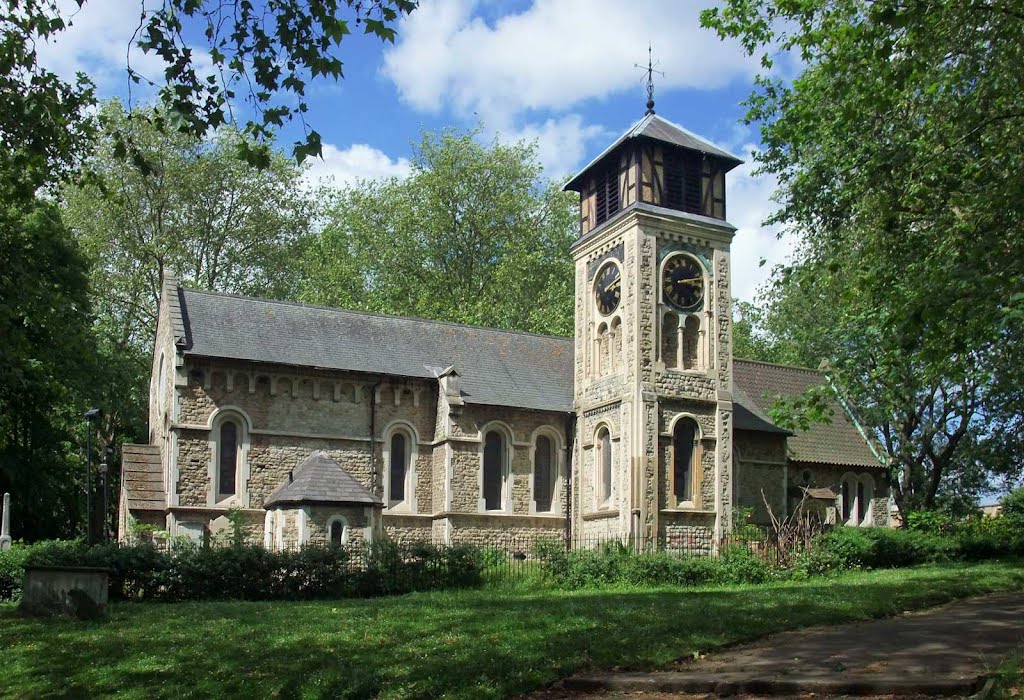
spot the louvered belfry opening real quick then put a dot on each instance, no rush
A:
(654, 163)
(606, 188)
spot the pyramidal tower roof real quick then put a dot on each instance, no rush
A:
(657, 128)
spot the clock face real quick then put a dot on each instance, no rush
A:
(682, 283)
(608, 288)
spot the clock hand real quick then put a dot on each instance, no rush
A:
(613, 284)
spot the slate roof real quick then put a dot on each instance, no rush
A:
(142, 477)
(498, 368)
(320, 479)
(746, 414)
(834, 443)
(655, 127)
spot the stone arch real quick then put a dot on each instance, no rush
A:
(615, 361)
(546, 488)
(495, 470)
(336, 531)
(670, 339)
(604, 466)
(691, 345)
(403, 466)
(229, 441)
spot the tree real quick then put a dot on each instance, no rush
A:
(264, 53)
(471, 235)
(900, 155)
(46, 362)
(201, 214)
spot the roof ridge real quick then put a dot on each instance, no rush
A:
(697, 136)
(372, 314)
(780, 365)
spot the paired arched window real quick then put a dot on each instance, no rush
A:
(228, 458)
(495, 470)
(603, 462)
(685, 461)
(856, 495)
(681, 341)
(544, 474)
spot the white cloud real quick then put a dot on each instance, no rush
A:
(357, 162)
(552, 55)
(750, 203)
(561, 142)
(99, 42)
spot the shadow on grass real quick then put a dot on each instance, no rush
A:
(467, 644)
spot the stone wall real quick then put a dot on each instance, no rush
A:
(510, 533)
(761, 466)
(690, 532)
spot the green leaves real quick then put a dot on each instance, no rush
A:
(471, 235)
(899, 150)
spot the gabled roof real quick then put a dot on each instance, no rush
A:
(320, 479)
(837, 442)
(142, 477)
(498, 368)
(658, 128)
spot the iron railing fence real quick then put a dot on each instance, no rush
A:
(512, 557)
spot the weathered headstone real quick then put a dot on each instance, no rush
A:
(76, 591)
(5, 523)
(220, 528)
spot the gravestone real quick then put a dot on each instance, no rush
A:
(5, 524)
(77, 591)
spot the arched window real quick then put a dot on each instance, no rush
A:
(847, 500)
(601, 351)
(544, 474)
(604, 462)
(615, 345)
(227, 459)
(398, 468)
(337, 531)
(691, 343)
(494, 475)
(161, 382)
(685, 460)
(670, 340)
(865, 496)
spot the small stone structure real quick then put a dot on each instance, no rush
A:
(77, 591)
(5, 524)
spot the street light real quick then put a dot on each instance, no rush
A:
(90, 416)
(104, 470)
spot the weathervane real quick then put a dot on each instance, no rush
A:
(649, 70)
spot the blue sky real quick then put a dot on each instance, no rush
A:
(558, 71)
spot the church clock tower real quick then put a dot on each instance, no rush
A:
(653, 355)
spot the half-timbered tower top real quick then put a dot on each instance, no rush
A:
(657, 163)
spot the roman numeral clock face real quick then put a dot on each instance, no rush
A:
(608, 288)
(682, 283)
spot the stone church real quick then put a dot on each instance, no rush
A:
(323, 425)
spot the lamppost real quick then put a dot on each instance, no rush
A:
(90, 416)
(104, 470)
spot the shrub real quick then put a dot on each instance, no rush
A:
(11, 563)
(246, 572)
(876, 547)
(740, 565)
(1013, 506)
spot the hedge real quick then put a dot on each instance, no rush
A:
(142, 572)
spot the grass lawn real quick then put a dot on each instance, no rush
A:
(466, 644)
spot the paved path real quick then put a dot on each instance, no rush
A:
(943, 651)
